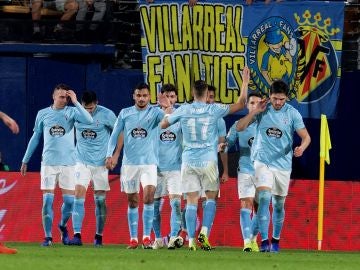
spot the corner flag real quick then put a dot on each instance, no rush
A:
(325, 146)
(325, 141)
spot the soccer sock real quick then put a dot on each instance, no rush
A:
(133, 219)
(278, 215)
(47, 213)
(175, 217)
(157, 218)
(190, 216)
(78, 214)
(203, 204)
(245, 224)
(66, 208)
(208, 215)
(264, 213)
(254, 227)
(183, 220)
(100, 213)
(148, 216)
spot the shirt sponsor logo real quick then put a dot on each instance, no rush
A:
(57, 131)
(139, 133)
(89, 134)
(274, 132)
(167, 136)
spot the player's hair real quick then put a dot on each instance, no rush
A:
(254, 94)
(200, 87)
(141, 85)
(279, 87)
(211, 88)
(62, 86)
(168, 87)
(89, 97)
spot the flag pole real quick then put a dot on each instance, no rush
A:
(325, 146)
(321, 202)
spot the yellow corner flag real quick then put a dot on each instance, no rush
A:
(325, 146)
(325, 141)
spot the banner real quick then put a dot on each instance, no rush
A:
(21, 203)
(299, 42)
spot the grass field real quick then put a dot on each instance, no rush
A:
(32, 256)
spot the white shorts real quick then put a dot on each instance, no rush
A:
(168, 182)
(198, 178)
(246, 185)
(63, 175)
(133, 175)
(278, 181)
(98, 175)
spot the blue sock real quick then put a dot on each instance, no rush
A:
(209, 214)
(203, 204)
(245, 223)
(254, 226)
(175, 217)
(157, 218)
(148, 216)
(47, 213)
(78, 214)
(66, 208)
(264, 213)
(133, 220)
(183, 220)
(190, 217)
(278, 215)
(100, 213)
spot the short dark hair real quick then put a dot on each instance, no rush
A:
(141, 85)
(254, 94)
(89, 97)
(211, 88)
(279, 87)
(168, 87)
(62, 86)
(199, 88)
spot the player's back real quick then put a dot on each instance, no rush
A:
(199, 123)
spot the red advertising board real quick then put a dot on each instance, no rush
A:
(21, 203)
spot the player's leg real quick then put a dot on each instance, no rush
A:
(48, 176)
(130, 184)
(280, 191)
(82, 178)
(158, 203)
(246, 191)
(264, 180)
(101, 186)
(67, 186)
(173, 181)
(148, 181)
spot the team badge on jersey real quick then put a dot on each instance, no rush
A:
(89, 134)
(274, 132)
(167, 136)
(139, 133)
(57, 131)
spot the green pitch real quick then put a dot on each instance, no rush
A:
(59, 257)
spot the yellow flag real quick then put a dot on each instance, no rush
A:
(325, 141)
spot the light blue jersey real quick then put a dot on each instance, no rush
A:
(221, 128)
(57, 126)
(199, 124)
(245, 139)
(92, 140)
(274, 136)
(140, 128)
(170, 148)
